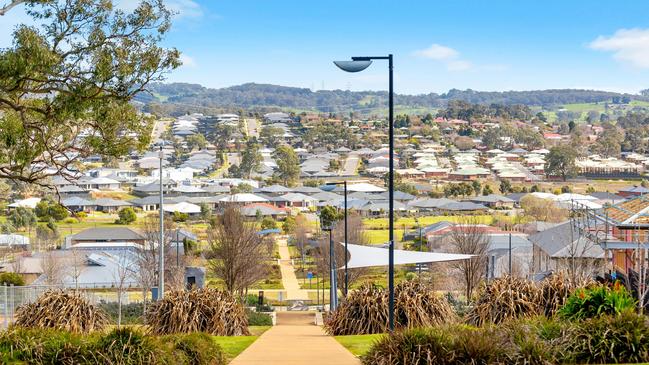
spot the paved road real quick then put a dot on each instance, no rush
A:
(350, 166)
(159, 126)
(253, 127)
(526, 171)
(295, 340)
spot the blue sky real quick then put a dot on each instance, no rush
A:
(482, 45)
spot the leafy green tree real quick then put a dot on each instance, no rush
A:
(22, 217)
(271, 135)
(268, 223)
(46, 209)
(196, 141)
(561, 162)
(126, 216)
(505, 187)
(328, 216)
(486, 190)
(477, 187)
(206, 211)
(78, 72)
(288, 165)
(7, 228)
(241, 188)
(251, 159)
(289, 225)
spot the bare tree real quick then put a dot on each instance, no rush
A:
(123, 273)
(544, 210)
(468, 237)
(8, 5)
(302, 234)
(237, 254)
(581, 260)
(76, 262)
(355, 235)
(148, 255)
(53, 267)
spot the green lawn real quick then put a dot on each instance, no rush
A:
(358, 344)
(409, 222)
(234, 345)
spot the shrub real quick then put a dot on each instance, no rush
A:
(11, 278)
(596, 301)
(180, 217)
(196, 349)
(126, 346)
(622, 338)
(199, 310)
(258, 319)
(60, 309)
(126, 216)
(44, 346)
(444, 345)
(120, 346)
(132, 313)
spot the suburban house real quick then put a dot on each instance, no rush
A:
(556, 247)
(105, 238)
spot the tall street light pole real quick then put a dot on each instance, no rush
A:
(333, 285)
(161, 264)
(344, 184)
(358, 64)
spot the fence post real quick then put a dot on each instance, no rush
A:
(6, 305)
(13, 297)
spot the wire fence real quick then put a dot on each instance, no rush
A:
(12, 297)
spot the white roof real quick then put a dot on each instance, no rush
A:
(244, 198)
(25, 203)
(182, 207)
(103, 180)
(365, 187)
(368, 256)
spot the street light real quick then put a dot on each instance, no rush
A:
(344, 184)
(161, 264)
(333, 285)
(358, 64)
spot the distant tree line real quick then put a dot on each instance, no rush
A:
(180, 98)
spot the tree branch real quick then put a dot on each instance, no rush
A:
(12, 4)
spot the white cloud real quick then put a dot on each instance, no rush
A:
(447, 55)
(185, 8)
(628, 46)
(438, 52)
(187, 61)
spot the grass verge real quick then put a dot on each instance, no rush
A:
(358, 344)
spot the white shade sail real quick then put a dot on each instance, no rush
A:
(368, 256)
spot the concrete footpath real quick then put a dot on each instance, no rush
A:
(295, 340)
(289, 280)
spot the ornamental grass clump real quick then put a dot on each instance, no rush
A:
(64, 310)
(365, 310)
(505, 298)
(212, 311)
(555, 290)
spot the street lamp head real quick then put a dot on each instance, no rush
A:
(353, 66)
